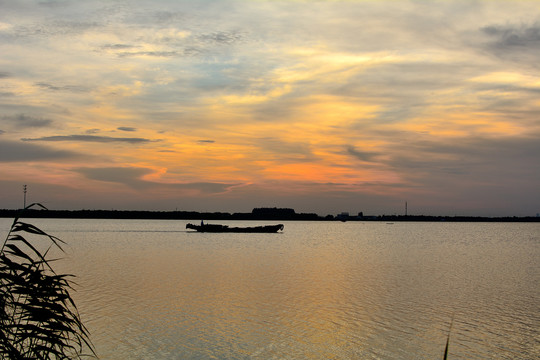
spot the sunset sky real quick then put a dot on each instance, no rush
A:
(321, 106)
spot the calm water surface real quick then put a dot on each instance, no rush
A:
(319, 290)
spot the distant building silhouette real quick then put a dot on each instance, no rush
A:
(344, 216)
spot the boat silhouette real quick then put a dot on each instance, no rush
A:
(217, 228)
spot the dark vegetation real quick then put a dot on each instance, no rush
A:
(445, 356)
(257, 214)
(38, 318)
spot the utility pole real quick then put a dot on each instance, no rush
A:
(405, 208)
(24, 191)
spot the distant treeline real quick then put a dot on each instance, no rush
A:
(450, 218)
(256, 214)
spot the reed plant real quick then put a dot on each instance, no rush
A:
(38, 317)
(445, 357)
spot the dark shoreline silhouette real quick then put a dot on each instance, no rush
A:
(256, 214)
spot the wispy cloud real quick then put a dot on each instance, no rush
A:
(362, 155)
(14, 151)
(117, 46)
(130, 176)
(91, 138)
(164, 54)
(126, 128)
(72, 88)
(205, 187)
(284, 149)
(220, 37)
(27, 121)
(514, 36)
(134, 177)
(516, 42)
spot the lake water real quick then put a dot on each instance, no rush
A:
(319, 290)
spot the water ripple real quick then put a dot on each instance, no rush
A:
(317, 291)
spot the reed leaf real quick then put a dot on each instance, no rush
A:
(38, 317)
(448, 339)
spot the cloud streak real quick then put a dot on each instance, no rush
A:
(514, 37)
(126, 128)
(72, 88)
(13, 151)
(519, 43)
(91, 138)
(26, 121)
(134, 177)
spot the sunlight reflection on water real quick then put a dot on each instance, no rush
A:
(319, 290)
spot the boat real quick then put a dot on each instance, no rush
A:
(216, 228)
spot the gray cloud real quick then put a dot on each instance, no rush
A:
(4, 75)
(206, 187)
(200, 39)
(480, 159)
(297, 151)
(117, 46)
(368, 156)
(126, 128)
(152, 17)
(205, 141)
(512, 36)
(132, 177)
(55, 28)
(26, 121)
(13, 151)
(517, 43)
(220, 37)
(69, 88)
(149, 53)
(54, 3)
(91, 138)
(129, 176)
(494, 148)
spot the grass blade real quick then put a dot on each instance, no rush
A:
(448, 339)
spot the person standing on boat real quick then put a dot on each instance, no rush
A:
(202, 222)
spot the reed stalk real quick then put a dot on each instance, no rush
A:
(38, 317)
(448, 339)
